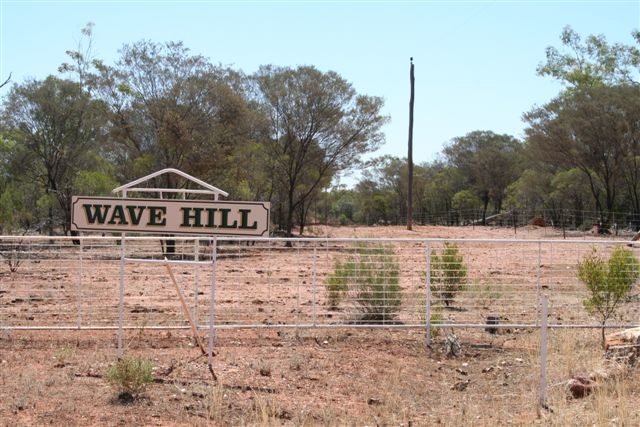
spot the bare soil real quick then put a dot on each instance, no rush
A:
(341, 376)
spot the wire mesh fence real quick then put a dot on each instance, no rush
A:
(74, 283)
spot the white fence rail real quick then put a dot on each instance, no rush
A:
(73, 283)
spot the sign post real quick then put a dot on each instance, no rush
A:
(170, 216)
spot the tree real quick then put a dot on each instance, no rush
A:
(441, 181)
(608, 282)
(57, 128)
(489, 161)
(596, 130)
(592, 61)
(465, 202)
(170, 108)
(390, 175)
(570, 190)
(318, 127)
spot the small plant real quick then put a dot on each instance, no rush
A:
(436, 319)
(62, 355)
(487, 294)
(370, 277)
(297, 362)
(608, 282)
(130, 377)
(448, 273)
(264, 368)
(12, 254)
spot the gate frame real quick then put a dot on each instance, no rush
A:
(208, 189)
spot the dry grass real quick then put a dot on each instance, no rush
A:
(322, 377)
(337, 377)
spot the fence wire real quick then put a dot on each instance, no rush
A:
(73, 283)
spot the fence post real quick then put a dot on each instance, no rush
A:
(314, 290)
(121, 297)
(428, 293)
(121, 289)
(543, 350)
(212, 303)
(538, 287)
(79, 319)
(196, 258)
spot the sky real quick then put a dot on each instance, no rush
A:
(475, 61)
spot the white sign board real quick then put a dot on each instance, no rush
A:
(171, 216)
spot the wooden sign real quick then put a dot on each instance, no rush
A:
(171, 216)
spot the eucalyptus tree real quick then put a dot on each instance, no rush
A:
(490, 162)
(596, 130)
(170, 108)
(592, 61)
(56, 127)
(318, 127)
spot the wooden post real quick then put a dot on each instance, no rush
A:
(187, 314)
(410, 154)
(185, 309)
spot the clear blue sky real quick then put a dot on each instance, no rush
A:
(475, 61)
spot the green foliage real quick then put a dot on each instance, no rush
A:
(436, 319)
(608, 281)
(94, 183)
(489, 161)
(323, 128)
(130, 376)
(448, 273)
(465, 200)
(62, 355)
(571, 189)
(338, 282)
(14, 214)
(370, 279)
(531, 190)
(589, 62)
(75, 127)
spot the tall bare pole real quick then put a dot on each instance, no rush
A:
(410, 155)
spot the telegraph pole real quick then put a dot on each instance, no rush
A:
(410, 155)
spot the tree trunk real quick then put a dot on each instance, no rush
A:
(290, 209)
(484, 211)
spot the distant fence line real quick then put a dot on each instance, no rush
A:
(52, 283)
(616, 222)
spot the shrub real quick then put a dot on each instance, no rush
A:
(370, 278)
(338, 282)
(13, 254)
(448, 273)
(130, 377)
(608, 281)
